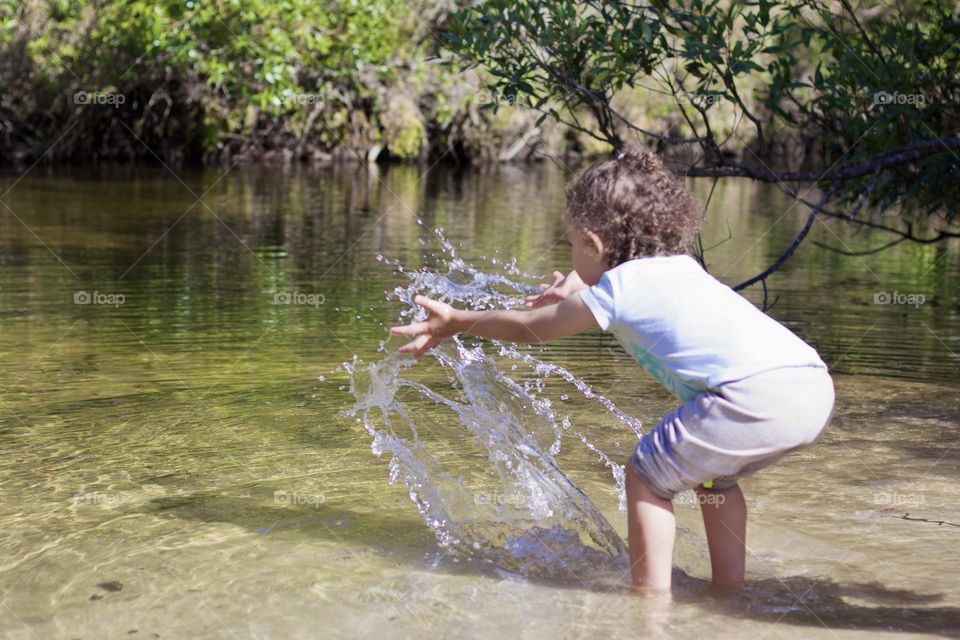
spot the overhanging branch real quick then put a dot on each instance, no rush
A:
(761, 277)
(886, 160)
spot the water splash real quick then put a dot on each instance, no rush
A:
(520, 511)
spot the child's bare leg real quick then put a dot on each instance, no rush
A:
(725, 519)
(651, 529)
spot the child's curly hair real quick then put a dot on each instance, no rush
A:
(636, 205)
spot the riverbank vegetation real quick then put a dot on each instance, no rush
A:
(92, 80)
(861, 102)
(220, 81)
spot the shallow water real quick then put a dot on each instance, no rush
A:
(175, 465)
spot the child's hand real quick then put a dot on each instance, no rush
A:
(562, 287)
(430, 332)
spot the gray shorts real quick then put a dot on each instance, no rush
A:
(735, 429)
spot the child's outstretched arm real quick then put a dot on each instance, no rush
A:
(539, 325)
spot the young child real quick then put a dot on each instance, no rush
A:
(751, 390)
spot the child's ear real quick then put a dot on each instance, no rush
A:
(594, 240)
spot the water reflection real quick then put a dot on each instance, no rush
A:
(146, 443)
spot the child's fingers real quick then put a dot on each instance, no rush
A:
(430, 343)
(434, 306)
(534, 296)
(417, 347)
(557, 277)
(414, 329)
(414, 346)
(424, 340)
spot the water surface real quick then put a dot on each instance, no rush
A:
(178, 464)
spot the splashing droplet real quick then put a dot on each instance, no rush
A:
(520, 512)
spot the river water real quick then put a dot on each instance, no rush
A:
(184, 357)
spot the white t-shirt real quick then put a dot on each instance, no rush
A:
(688, 329)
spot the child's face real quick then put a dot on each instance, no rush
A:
(587, 250)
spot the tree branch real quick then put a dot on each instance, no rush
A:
(886, 160)
(761, 277)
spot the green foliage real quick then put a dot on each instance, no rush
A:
(261, 49)
(891, 85)
(852, 86)
(299, 63)
(404, 132)
(560, 51)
